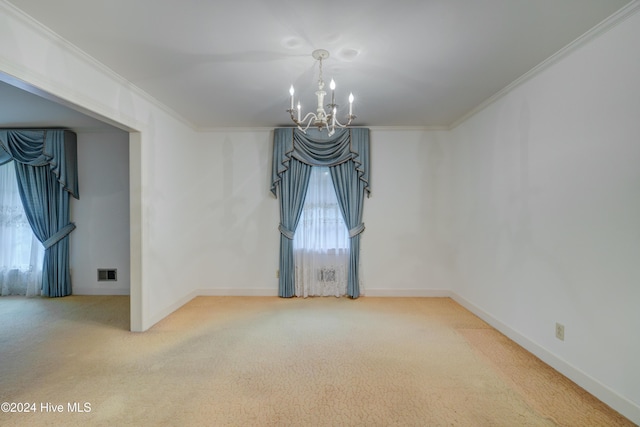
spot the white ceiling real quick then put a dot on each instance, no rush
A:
(228, 63)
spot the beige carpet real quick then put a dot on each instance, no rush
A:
(264, 361)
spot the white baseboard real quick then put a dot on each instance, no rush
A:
(428, 293)
(599, 390)
(167, 311)
(99, 291)
(272, 292)
(593, 386)
(206, 292)
(238, 292)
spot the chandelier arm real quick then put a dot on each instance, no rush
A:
(349, 120)
(310, 118)
(338, 124)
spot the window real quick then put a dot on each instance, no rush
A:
(21, 253)
(321, 241)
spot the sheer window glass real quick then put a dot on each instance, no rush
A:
(21, 254)
(321, 241)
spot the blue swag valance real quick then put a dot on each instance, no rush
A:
(315, 148)
(346, 153)
(47, 174)
(54, 147)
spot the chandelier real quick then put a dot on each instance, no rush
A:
(320, 118)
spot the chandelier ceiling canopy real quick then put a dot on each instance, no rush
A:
(320, 118)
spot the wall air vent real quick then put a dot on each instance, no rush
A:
(107, 274)
(326, 275)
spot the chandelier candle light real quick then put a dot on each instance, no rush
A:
(320, 118)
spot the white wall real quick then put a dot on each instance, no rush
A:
(160, 176)
(170, 207)
(407, 218)
(101, 215)
(236, 236)
(547, 214)
(235, 248)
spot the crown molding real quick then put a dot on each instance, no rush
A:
(409, 128)
(75, 100)
(98, 109)
(371, 128)
(234, 129)
(601, 28)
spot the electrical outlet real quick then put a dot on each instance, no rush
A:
(560, 331)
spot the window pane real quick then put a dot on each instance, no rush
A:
(21, 253)
(321, 226)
